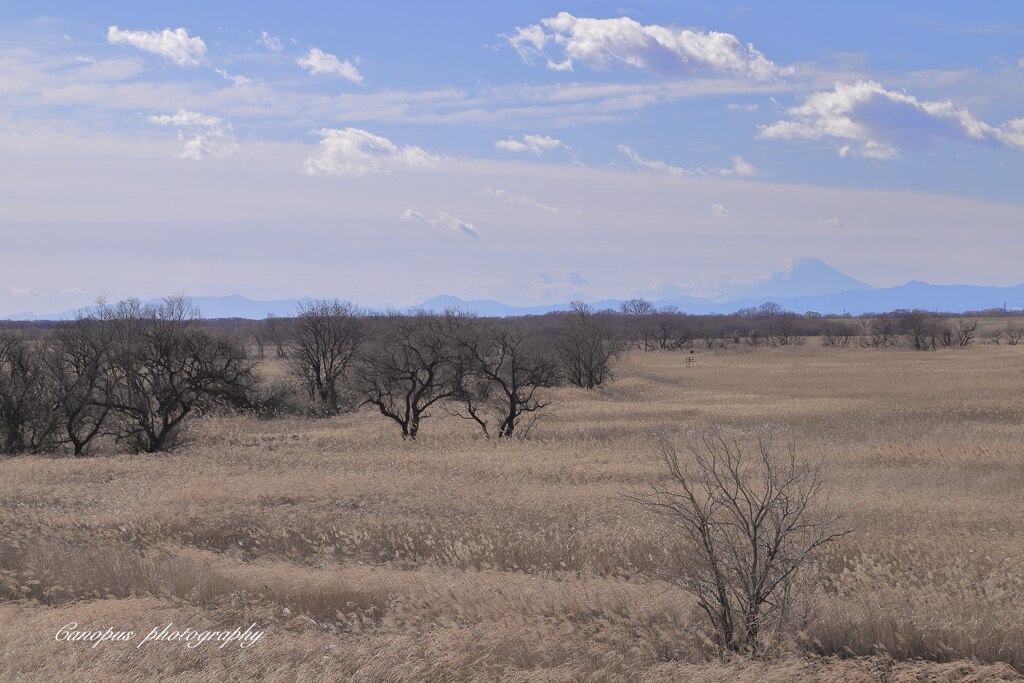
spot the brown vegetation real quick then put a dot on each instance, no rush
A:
(454, 558)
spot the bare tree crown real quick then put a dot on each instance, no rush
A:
(750, 516)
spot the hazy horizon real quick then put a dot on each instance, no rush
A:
(530, 154)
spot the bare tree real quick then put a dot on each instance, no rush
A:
(641, 311)
(836, 336)
(501, 375)
(879, 332)
(670, 329)
(27, 424)
(326, 336)
(783, 330)
(410, 367)
(922, 329)
(78, 361)
(964, 332)
(770, 309)
(164, 368)
(1014, 335)
(750, 516)
(277, 332)
(258, 337)
(586, 351)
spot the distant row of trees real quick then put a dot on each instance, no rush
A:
(492, 374)
(135, 373)
(918, 330)
(129, 371)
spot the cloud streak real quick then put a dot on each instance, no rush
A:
(740, 166)
(442, 221)
(534, 144)
(600, 43)
(509, 198)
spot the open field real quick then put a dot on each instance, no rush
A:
(453, 558)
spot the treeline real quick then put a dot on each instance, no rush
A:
(133, 374)
(640, 325)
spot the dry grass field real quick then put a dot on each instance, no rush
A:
(453, 558)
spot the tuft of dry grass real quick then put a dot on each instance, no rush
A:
(454, 558)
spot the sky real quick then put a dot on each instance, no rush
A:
(531, 152)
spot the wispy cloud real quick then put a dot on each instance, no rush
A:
(353, 153)
(207, 134)
(237, 81)
(534, 144)
(270, 42)
(880, 123)
(830, 222)
(510, 198)
(26, 291)
(442, 221)
(740, 166)
(719, 211)
(599, 43)
(176, 45)
(318, 62)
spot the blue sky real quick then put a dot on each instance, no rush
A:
(531, 152)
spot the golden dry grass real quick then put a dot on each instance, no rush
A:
(453, 558)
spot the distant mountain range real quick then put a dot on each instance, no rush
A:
(806, 285)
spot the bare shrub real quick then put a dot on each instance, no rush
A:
(879, 332)
(963, 333)
(751, 516)
(835, 336)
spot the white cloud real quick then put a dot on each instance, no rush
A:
(831, 222)
(271, 42)
(881, 122)
(175, 45)
(652, 164)
(740, 166)
(442, 221)
(318, 62)
(534, 144)
(742, 107)
(237, 81)
(719, 211)
(354, 153)
(509, 198)
(598, 43)
(26, 291)
(208, 134)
